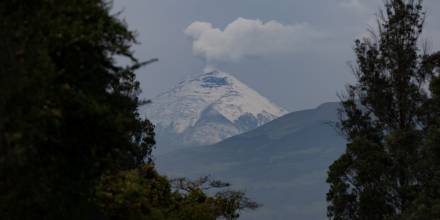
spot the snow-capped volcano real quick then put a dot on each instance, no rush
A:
(207, 109)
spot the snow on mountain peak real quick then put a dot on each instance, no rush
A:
(216, 101)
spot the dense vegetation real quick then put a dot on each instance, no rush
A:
(72, 145)
(391, 118)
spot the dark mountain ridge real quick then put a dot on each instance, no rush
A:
(282, 164)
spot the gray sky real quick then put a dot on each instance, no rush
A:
(294, 52)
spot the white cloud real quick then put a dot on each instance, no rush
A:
(248, 38)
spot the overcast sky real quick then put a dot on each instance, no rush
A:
(294, 52)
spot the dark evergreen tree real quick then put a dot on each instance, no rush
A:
(72, 145)
(383, 117)
(427, 203)
(68, 110)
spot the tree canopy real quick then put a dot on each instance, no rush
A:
(72, 143)
(390, 120)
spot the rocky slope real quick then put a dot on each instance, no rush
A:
(206, 109)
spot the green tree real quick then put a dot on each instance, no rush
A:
(224, 203)
(383, 117)
(68, 110)
(72, 144)
(140, 193)
(143, 194)
(427, 203)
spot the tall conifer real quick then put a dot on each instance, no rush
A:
(383, 117)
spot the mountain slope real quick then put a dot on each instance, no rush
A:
(207, 109)
(281, 164)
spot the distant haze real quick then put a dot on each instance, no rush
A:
(294, 52)
(282, 164)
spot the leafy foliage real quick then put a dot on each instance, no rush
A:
(68, 110)
(72, 144)
(385, 117)
(225, 203)
(143, 194)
